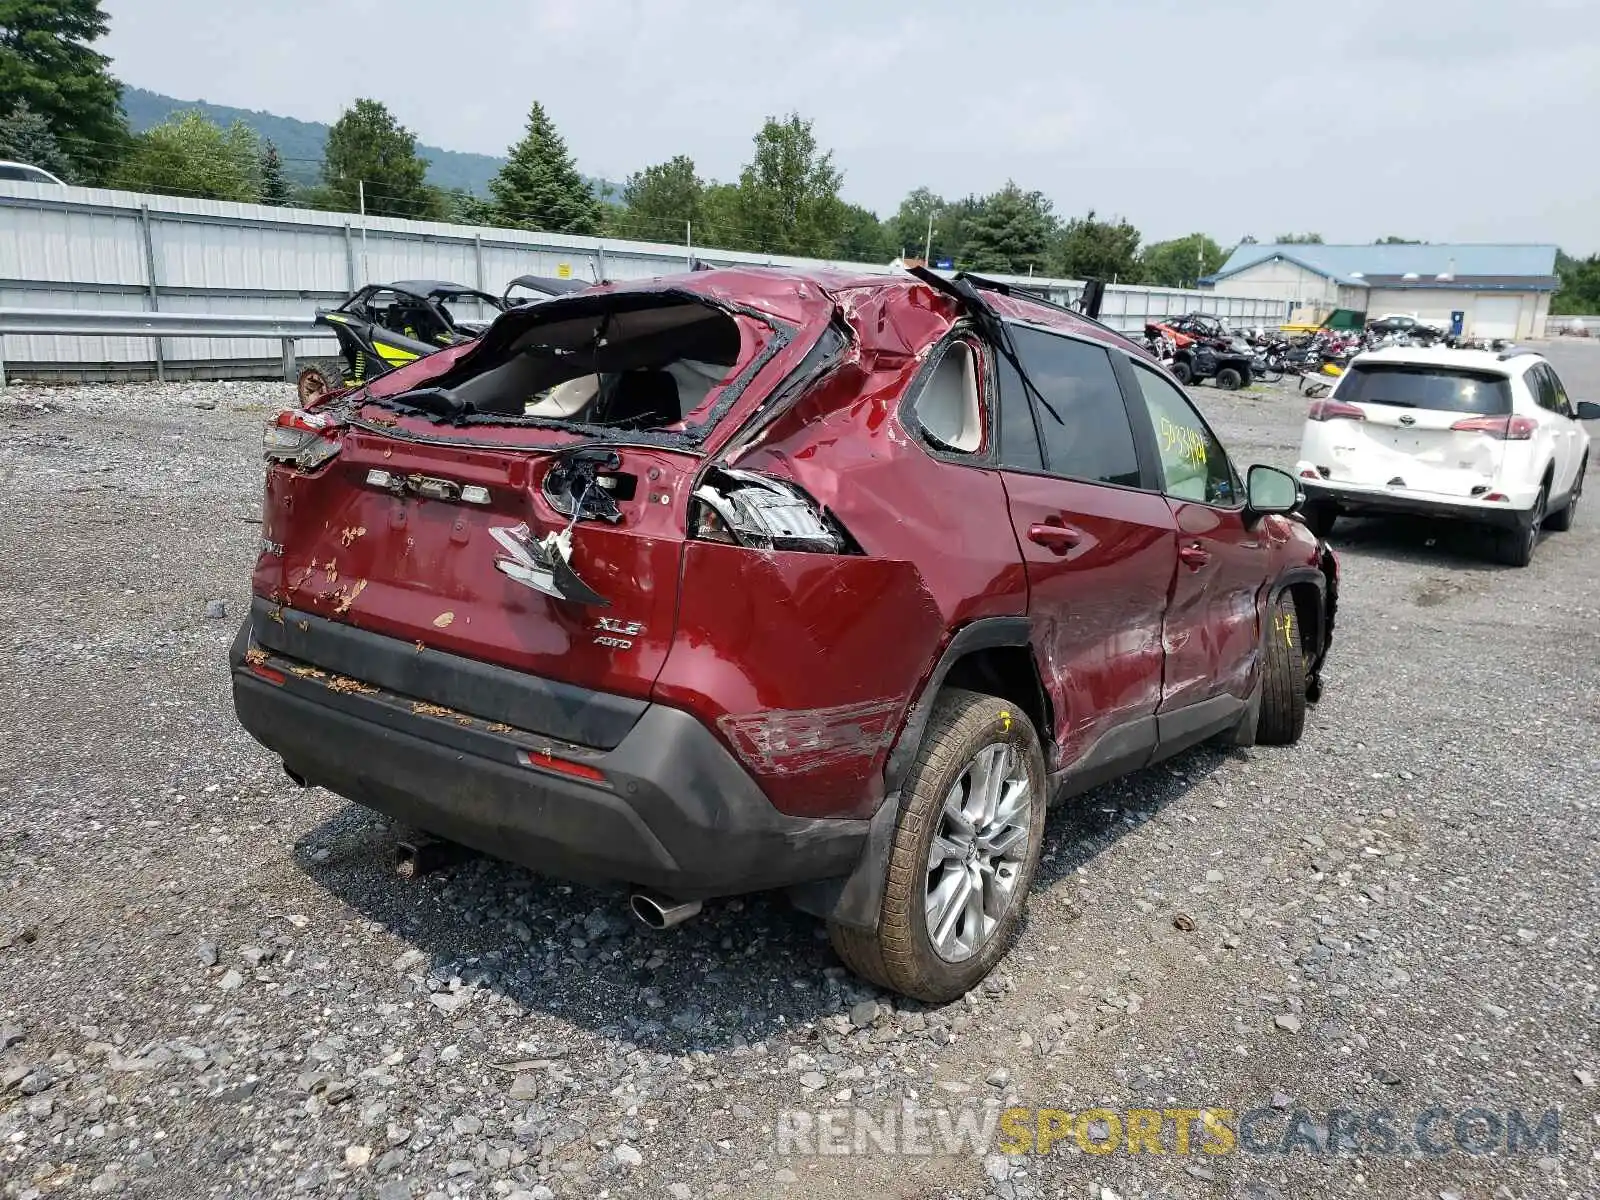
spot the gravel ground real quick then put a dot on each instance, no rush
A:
(212, 985)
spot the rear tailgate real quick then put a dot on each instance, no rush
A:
(1426, 428)
(404, 564)
(432, 519)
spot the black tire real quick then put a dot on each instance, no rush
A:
(1561, 520)
(1229, 379)
(1182, 372)
(1283, 682)
(1320, 516)
(900, 955)
(1514, 547)
(317, 379)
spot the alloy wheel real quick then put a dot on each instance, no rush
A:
(978, 852)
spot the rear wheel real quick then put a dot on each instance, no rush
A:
(1514, 547)
(1562, 521)
(965, 849)
(1229, 379)
(1283, 684)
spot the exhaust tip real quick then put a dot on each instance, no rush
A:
(661, 912)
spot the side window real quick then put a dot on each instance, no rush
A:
(1544, 393)
(1085, 428)
(1019, 441)
(1193, 464)
(1563, 403)
(950, 409)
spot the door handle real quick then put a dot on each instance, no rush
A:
(1194, 555)
(1059, 538)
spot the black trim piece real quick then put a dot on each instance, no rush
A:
(1192, 724)
(856, 899)
(676, 812)
(1364, 503)
(1116, 752)
(982, 634)
(546, 706)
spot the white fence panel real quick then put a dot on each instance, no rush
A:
(109, 250)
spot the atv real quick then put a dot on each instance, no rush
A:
(1194, 359)
(386, 325)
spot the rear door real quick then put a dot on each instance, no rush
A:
(1557, 418)
(1098, 543)
(1424, 428)
(1211, 628)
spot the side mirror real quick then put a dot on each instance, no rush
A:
(1269, 490)
(1588, 410)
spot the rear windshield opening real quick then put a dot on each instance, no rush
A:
(1434, 388)
(638, 364)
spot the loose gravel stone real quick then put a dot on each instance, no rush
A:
(1412, 883)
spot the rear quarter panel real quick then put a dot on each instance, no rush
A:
(806, 664)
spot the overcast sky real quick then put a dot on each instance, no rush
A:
(1472, 121)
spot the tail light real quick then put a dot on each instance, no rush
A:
(306, 439)
(742, 508)
(1504, 429)
(1334, 410)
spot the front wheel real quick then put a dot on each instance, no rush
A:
(1183, 372)
(1283, 685)
(1229, 379)
(966, 845)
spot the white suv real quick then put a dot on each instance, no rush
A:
(1470, 434)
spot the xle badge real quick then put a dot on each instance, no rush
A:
(616, 633)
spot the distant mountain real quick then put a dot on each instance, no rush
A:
(300, 143)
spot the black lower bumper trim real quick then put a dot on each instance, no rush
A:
(677, 812)
(1360, 504)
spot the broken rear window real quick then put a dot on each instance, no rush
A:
(623, 364)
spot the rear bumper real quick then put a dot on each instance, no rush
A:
(676, 812)
(1359, 501)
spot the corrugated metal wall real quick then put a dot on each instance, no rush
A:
(98, 249)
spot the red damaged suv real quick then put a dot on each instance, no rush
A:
(753, 579)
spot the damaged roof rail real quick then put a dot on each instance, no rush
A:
(1006, 289)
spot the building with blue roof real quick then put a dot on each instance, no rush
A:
(1499, 291)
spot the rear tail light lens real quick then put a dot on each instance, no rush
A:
(305, 439)
(746, 509)
(1334, 410)
(1505, 429)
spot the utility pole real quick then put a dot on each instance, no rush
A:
(927, 246)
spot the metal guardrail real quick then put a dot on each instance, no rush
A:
(74, 322)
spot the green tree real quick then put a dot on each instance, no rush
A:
(464, 208)
(274, 187)
(660, 201)
(1298, 239)
(369, 155)
(25, 137)
(1089, 248)
(1398, 241)
(1181, 261)
(188, 155)
(540, 188)
(722, 219)
(46, 59)
(789, 191)
(1010, 232)
(864, 238)
(1579, 289)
